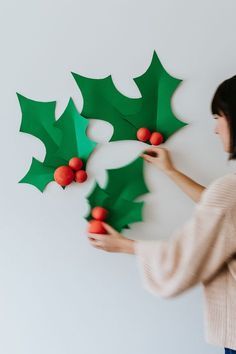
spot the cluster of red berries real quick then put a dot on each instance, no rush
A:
(144, 134)
(65, 175)
(95, 226)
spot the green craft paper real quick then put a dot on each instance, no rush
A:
(97, 196)
(103, 101)
(38, 119)
(121, 211)
(74, 140)
(124, 212)
(123, 186)
(63, 138)
(153, 110)
(127, 182)
(38, 175)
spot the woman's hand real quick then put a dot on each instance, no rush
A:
(113, 241)
(159, 157)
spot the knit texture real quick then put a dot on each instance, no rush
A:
(202, 251)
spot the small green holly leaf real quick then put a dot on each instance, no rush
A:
(123, 186)
(153, 110)
(38, 175)
(121, 211)
(96, 198)
(124, 212)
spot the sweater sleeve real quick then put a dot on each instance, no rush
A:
(194, 252)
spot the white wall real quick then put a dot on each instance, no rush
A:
(59, 295)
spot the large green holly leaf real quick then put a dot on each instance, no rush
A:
(74, 140)
(153, 110)
(124, 185)
(103, 101)
(63, 138)
(38, 119)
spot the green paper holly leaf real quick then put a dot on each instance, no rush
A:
(39, 175)
(74, 140)
(38, 119)
(153, 110)
(63, 138)
(124, 185)
(127, 182)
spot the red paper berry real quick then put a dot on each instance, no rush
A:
(81, 176)
(99, 213)
(156, 138)
(143, 134)
(96, 227)
(76, 163)
(64, 175)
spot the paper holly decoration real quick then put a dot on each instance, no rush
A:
(123, 186)
(63, 138)
(148, 118)
(152, 110)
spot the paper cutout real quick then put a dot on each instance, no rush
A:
(123, 186)
(66, 137)
(63, 138)
(153, 110)
(38, 175)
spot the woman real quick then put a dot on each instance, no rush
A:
(203, 250)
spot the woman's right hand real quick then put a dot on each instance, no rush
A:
(159, 157)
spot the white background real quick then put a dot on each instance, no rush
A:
(59, 295)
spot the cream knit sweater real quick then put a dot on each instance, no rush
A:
(202, 251)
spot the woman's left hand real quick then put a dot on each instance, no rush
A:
(113, 241)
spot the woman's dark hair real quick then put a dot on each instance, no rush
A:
(224, 101)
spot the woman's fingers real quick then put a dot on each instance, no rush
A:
(110, 242)
(152, 149)
(95, 244)
(98, 237)
(159, 157)
(151, 154)
(155, 151)
(147, 158)
(109, 228)
(96, 240)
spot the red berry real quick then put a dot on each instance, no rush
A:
(99, 213)
(76, 163)
(156, 138)
(64, 175)
(96, 227)
(143, 134)
(81, 176)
